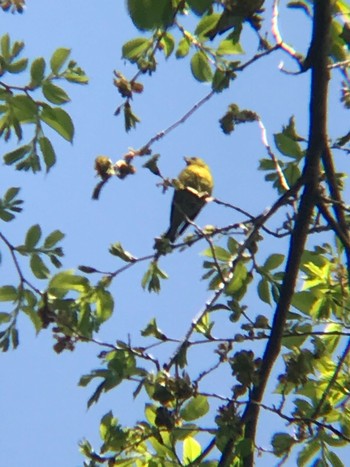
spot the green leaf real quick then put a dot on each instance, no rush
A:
(204, 325)
(37, 72)
(53, 238)
(238, 280)
(338, 45)
(14, 337)
(282, 443)
(8, 293)
(17, 48)
(292, 173)
(232, 245)
(183, 48)
(32, 237)
(54, 260)
(25, 108)
(151, 165)
(133, 50)
(117, 250)
(205, 25)
(229, 47)
(5, 46)
(273, 261)
(38, 267)
(75, 74)
(150, 413)
(200, 67)
(58, 59)
(245, 447)
(67, 280)
(48, 152)
(34, 318)
(104, 304)
(264, 291)
(220, 253)
(151, 278)
(10, 203)
(167, 44)
(288, 146)
(54, 94)
(296, 341)
(58, 120)
(5, 317)
(150, 14)
(195, 408)
(112, 433)
(152, 330)
(191, 450)
(130, 118)
(18, 66)
(11, 193)
(6, 216)
(305, 302)
(16, 155)
(331, 341)
(308, 452)
(199, 6)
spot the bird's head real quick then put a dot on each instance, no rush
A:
(195, 161)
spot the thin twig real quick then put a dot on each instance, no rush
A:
(281, 177)
(278, 38)
(23, 280)
(183, 119)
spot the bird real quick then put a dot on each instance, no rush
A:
(192, 188)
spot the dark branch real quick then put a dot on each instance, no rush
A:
(318, 54)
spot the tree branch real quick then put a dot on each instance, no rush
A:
(338, 205)
(318, 54)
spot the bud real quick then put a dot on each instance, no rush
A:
(122, 169)
(104, 167)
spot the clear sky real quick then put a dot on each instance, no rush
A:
(43, 412)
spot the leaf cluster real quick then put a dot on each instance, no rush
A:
(19, 106)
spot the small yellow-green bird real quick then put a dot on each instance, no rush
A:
(194, 187)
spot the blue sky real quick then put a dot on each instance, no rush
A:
(42, 410)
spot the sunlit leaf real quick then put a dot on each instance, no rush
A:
(133, 49)
(53, 238)
(150, 14)
(67, 280)
(195, 408)
(8, 293)
(48, 152)
(200, 67)
(32, 237)
(54, 94)
(16, 155)
(206, 24)
(38, 267)
(18, 66)
(191, 450)
(58, 59)
(37, 72)
(59, 120)
(104, 304)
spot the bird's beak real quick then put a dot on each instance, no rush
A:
(187, 160)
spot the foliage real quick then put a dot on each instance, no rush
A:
(306, 286)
